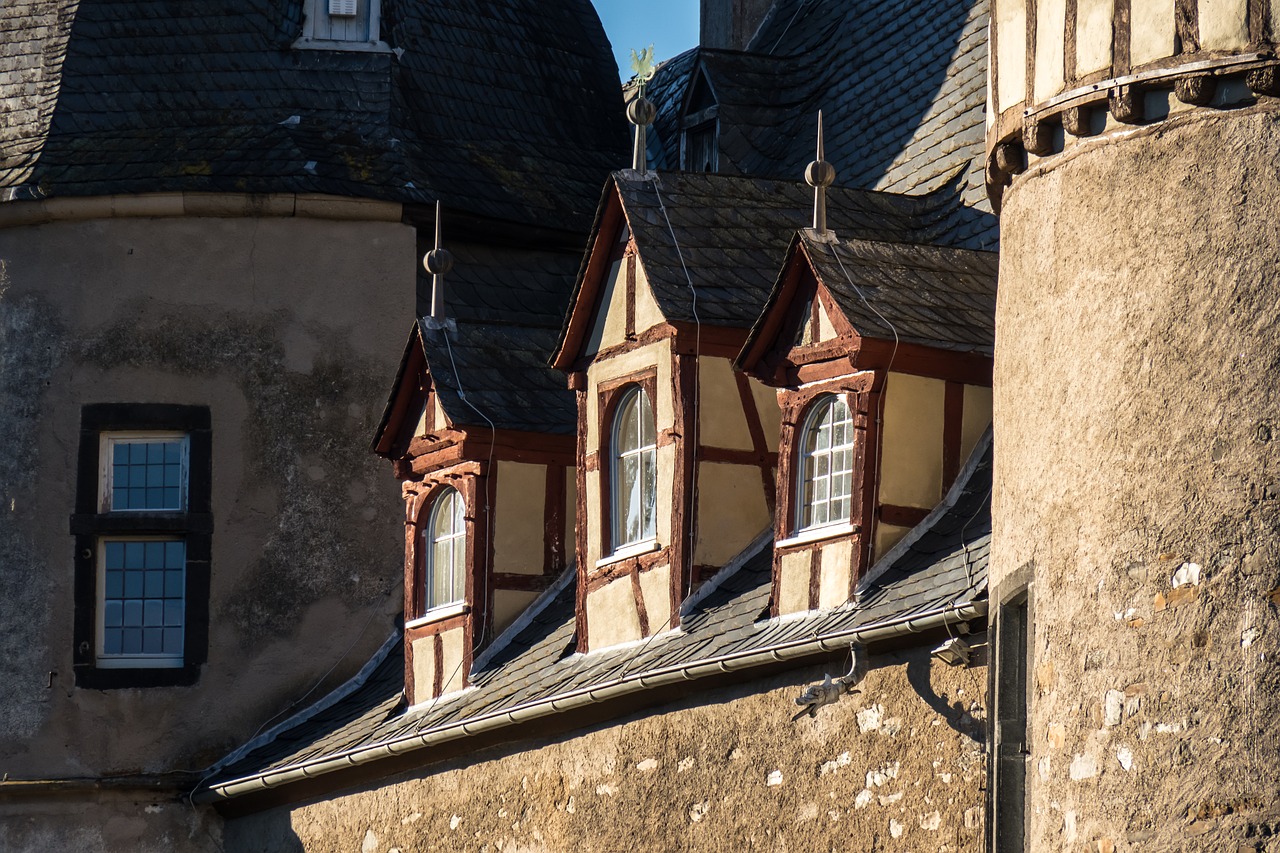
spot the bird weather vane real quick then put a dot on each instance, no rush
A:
(642, 66)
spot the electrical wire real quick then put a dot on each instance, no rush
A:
(880, 403)
(690, 513)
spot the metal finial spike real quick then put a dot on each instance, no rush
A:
(641, 112)
(438, 262)
(820, 174)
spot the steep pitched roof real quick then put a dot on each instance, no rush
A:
(937, 573)
(730, 232)
(486, 373)
(902, 86)
(505, 108)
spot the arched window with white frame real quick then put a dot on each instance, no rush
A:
(825, 477)
(634, 469)
(444, 541)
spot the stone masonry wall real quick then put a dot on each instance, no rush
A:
(1137, 416)
(898, 767)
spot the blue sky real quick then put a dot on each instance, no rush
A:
(671, 26)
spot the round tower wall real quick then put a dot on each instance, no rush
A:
(1137, 481)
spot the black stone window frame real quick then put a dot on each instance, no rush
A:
(194, 525)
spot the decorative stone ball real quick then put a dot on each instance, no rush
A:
(820, 173)
(438, 261)
(641, 111)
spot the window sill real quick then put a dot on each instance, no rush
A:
(339, 45)
(634, 550)
(139, 663)
(435, 614)
(817, 534)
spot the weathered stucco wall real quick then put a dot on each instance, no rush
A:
(107, 822)
(1136, 415)
(279, 325)
(899, 767)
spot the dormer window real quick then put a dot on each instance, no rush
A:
(444, 552)
(826, 465)
(341, 25)
(635, 471)
(700, 129)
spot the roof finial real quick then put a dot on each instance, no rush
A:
(641, 111)
(437, 262)
(820, 174)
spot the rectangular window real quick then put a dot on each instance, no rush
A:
(143, 472)
(143, 607)
(142, 531)
(351, 25)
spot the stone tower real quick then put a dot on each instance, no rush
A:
(1132, 146)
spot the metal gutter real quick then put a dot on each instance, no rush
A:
(586, 696)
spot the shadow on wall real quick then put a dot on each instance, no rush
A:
(267, 832)
(951, 708)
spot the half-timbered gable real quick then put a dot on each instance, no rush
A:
(480, 431)
(678, 268)
(881, 354)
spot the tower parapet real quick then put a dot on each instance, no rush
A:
(1069, 70)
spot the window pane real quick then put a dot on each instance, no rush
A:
(142, 597)
(628, 523)
(446, 551)
(645, 415)
(648, 485)
(629, 424)
(826, 463)
(147, 475)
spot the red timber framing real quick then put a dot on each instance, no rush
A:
(466, 458)
(855, 367)
(612, 242)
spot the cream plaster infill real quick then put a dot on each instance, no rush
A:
(154, 205)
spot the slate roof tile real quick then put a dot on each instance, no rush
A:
(504, 108)
(902, 87)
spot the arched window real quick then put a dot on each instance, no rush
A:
(635, 470)
(444, 543)
(826, 464)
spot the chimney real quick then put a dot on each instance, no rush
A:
(730, 24)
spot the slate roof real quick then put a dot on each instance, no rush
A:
(920, 294)
(503, 372)
(939, 566)
(902, 87)
(505, 108)
(731, 233)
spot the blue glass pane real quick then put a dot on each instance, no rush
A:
(132, 641)
(120, 454)
(155, 475)
(137, 476)
(173, 641)
(138, 454)
(171, 474)
(115, 555)
(173, 452)
(154, 586)
(174, 556)
(133, 614)
(133, 552)
(113, 614)
(153, 641)
(154, 555)
(155, 453)
(153, 613)
(133, 584)
(111, 641)
(173, 584)
(115, 584)
(173, 614)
